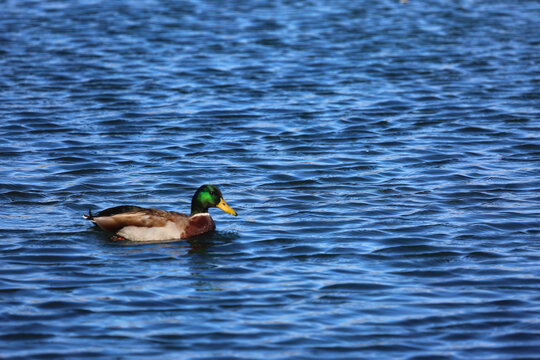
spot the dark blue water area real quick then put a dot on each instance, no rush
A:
(383, 157)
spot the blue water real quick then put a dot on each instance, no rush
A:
(383, 157)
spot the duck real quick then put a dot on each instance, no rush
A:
(135, 223)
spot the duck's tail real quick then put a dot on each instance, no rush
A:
(89, 216)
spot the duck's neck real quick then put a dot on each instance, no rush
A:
(197, 209)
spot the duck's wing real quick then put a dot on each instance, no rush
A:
(114, 219)
(122, 209)
(113, 211)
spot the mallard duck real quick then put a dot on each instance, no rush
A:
(140, 224)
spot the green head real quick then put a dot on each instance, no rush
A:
(209, 196)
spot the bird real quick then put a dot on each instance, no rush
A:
(129, 222)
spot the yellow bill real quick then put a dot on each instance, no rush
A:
(223, 206)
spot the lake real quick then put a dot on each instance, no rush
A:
(383, 158)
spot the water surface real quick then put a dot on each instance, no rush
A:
(383, 158)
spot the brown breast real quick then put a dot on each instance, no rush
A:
(198, 224)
